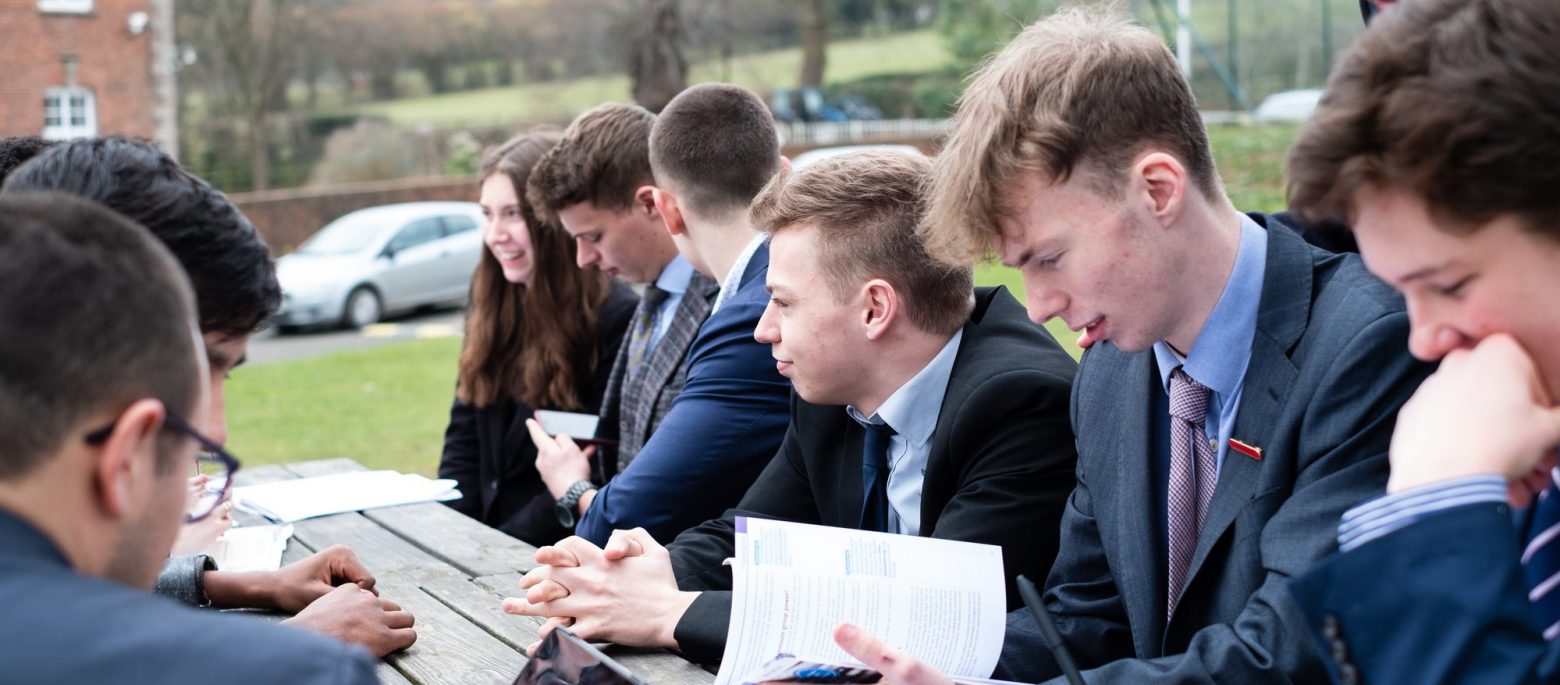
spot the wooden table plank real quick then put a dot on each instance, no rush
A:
(450, 535)
(449, 648)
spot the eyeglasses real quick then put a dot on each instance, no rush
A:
(214, 462)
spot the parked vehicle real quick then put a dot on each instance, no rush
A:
(379, 261)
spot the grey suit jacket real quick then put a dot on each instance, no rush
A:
(1329, 370)
(630, 414)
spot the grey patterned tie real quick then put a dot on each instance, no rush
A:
(639, 339)
(1191, 476)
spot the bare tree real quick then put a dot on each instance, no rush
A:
(655, 61)
(815, 40)
(251, 57)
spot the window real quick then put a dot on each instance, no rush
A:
(65, 6)
(69, 113)
(415, 233)
(456, 225)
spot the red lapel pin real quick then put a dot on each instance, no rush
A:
(1249, 450)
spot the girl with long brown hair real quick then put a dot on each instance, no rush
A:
(540, 334)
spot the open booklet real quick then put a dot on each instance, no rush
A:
(942, 601)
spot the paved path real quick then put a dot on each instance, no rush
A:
(270, 346)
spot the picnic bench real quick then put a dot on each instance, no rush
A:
(451, 572)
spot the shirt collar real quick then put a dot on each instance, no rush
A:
(912, 411)
(22, 540)
(1222, 351)
(675, 277)
(733, 280)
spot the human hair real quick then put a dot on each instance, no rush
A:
(1084, 91)
(15, 150)
(864, 207)
(1455, 102)
(715, 144)
(531, 343)
(224, 256)
(602, 158)
(96, 314)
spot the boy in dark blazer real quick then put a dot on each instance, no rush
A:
(1239, 386)
(1455, 205)
(961, 399)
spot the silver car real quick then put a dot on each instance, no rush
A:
(379, 261)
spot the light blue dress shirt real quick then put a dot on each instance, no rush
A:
(674, 280)
(1222, 351)
(912, 411)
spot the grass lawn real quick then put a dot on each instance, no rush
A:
(387, 406)
(560, 101)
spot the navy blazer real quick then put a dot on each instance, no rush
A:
(722, 429)
(1442, 600)
(62, 627)
(1329, 370)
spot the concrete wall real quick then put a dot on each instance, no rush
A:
(288, 217)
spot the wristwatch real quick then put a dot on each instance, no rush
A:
(567, 504)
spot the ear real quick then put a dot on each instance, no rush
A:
(671, 213)
(127, 460)
(880, 308)
(644, 199)
(1163, 181)
(785, 164)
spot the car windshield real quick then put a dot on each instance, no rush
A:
(347, 235)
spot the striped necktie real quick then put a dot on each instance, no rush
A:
(641, 338)
(1191, 477)
(1541, 557)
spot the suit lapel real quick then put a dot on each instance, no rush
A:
(668, 356)
(1281, 319)
(1130, 512)
(937, 484)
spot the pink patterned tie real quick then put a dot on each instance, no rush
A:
(1191, 476)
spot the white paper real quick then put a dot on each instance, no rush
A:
(251, 548)
(941, 601)
(294, 500)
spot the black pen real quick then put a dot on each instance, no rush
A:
(1053, 637)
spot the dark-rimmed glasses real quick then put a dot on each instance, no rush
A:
(212, 461)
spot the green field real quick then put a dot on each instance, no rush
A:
(558, 101)
(387, 406)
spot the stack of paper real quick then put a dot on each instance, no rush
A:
(251, 548)
(941, 601)
(294, 500)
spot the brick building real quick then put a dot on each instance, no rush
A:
(73, 68)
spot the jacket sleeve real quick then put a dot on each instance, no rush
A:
(1442, 600)
(461, 459)
(183, 578)
(722, 429)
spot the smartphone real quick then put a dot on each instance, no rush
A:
(580, 427)
(564, 659)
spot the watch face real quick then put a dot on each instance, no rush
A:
(565, 514)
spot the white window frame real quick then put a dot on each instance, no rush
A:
(73, 110)
(65, 6)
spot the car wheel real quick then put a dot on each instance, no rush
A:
(288, 329)
(363, 308)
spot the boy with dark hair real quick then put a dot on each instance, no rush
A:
(730, 413)
(99, 359)
(1437, 141)
(236, 291)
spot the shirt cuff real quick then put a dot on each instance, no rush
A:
(1390, 513)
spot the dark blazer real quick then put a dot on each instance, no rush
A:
(1442, 600)
(62, 627)
(631, 413)
(1329, 370)
(1000, 467)
(490, 455)
(723, 428)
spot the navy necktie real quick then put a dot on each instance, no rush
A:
(1541, 558)
(874, 477)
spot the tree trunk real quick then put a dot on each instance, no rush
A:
(656, 63)
(259, 157)
(815, 37)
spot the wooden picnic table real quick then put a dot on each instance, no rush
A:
(451, 572)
